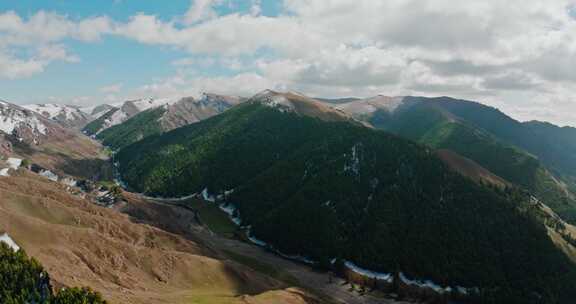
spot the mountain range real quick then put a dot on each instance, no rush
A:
(451, 196)
(312, 181)
(161, 118)
(521, 153)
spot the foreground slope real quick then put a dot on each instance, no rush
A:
(311, 181)
(472, 130)
(81, 244)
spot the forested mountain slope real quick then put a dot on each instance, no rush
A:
(475, 131)
(314, 182)
(164, 118)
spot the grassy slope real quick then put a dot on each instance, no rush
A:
(142, 125)
(82, 244)
(337, 190)
(551, 144)
(432, 125)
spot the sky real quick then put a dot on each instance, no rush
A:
(516, 55)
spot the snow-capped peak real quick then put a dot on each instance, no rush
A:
(13, 117)
(68, 116)
(51, 110)
(149, 103)
(275, 100)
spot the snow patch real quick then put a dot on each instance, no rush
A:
(53, 111)
(14, 163)
(353, 164)
(424, 284)
(149, 103)
(254, 240)
(232, 212)
(12, 118)
(206, 196)
(68, 181)
(388, 277)
(116, 118)
(49, 175)
(5, 238)
(275, 100)
(4, 172)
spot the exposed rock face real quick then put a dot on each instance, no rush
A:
(5, 146)
(188, 110)
(99, 110)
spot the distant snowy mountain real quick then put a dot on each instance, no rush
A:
(368, 106)
(159, 116)
(24, 124)
(67, 116)
(106, 116)
(97, 111)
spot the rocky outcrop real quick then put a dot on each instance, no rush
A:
(189, 110)
(5, 146)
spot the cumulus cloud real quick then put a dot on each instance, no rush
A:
(200, 10)
(113, 88)
(514, 54)
(244, 84)
(41, 34)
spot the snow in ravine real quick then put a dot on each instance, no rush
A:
(49, 175)
(256, 241)
(5, 238)
(14, 163)
(388, 277)
(354, 163)
(232, 212)
(206, 196)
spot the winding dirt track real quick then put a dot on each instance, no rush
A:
(335, 291)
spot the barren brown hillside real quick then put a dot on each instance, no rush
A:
(81, 244)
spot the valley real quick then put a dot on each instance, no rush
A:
(287, 152)
(283, 198)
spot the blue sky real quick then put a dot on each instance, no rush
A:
(112, 60)
(516, 55)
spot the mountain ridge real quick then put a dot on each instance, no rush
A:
(347, 191)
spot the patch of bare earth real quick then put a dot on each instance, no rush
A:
(81, 244)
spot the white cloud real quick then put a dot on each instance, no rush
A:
(200, 10)
(14, 68)
(113, 88)
(256, 7)
(245, 84)
(41, 34)
(517, 54)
